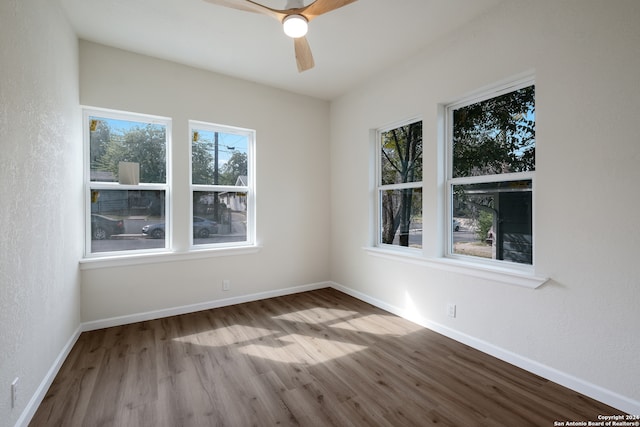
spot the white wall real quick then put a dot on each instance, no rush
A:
(292, 145)
(40, 161)
(585, 322)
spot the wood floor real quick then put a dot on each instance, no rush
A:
(318, 358)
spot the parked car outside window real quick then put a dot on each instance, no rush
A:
(103, 227)
(202, 228)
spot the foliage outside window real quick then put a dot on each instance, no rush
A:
(127, 182)
(399, 186)
(491, 158)
(221, 185)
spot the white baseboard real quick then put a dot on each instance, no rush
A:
(38, 396)
(192, 308)
(35, 401)
(608, 397)
(596, 392)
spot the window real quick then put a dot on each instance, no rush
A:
(490, 175)
(221, 185)
(127, 182)
(399, 186)
(129, 208)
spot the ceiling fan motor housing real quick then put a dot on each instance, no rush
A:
(295, 26)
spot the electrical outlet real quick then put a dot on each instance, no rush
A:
(226, 284)
(14, 392)
(451, 310)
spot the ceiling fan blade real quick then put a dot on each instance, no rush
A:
(320, 7)
(304, 58)
(250, 6)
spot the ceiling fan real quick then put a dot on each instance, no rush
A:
(294, 19)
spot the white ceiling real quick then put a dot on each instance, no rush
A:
(348, 44)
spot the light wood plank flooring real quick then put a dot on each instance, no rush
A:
(317, 358)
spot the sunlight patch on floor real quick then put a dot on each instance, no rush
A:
(221, 337)
(303, 349)
(319, 315)
(371, 324)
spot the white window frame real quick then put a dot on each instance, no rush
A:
(378, 188)
(249, 189)
(96, 185)
(450, 181)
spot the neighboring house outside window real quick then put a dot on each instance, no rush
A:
(490, 175)
(399, 186)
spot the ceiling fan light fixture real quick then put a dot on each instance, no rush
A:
(295, 26)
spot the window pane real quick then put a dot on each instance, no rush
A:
(123, 220)
(219, 217)
(401, 217)
(218, 158)
(114, 141)
(401, 154)
(495, 136)
(493, 220)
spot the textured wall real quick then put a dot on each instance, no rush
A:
(586, 56)
(292, 182)
(40, 195)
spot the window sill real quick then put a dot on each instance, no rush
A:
(499, 274)
(162, 257)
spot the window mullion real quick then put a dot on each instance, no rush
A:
(116, 186)
(515, 176)
(227, 188)
(401, 186)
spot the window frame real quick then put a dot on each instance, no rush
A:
(379, 188)
(249, 188)
(450, 181)
(89, 185)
